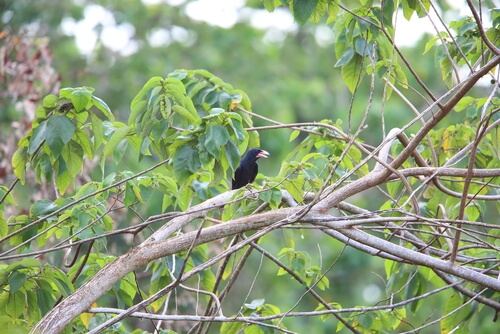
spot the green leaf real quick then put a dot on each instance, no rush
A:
(25, 263)
(16, 280)
(81, 98)
(294, 187)
(84, 141)
(232, 155)
(351, 72)
(130, 195)
(225, 100)
(217, 136)
(167, 185)
(417, 284)
(19, 162)
(120, 150)
(73, 157)
(102, 106)
(16, 304)
(400, 76)
(237, 127)
(184, 112)
(42, 208)
(185, 162)
(43, 166)
(464, 103)
(180, 75)
(388, 12)
(408, 10)
(270, 5)
(265, 195)
(63, 179)
(457, 320)
(4, 229)
(298, 264)
(471, 112)
(393, 188)
(97, 129)
(63, 284)
(333, 10)
(50, 101)
(365, 320)
(345, 58)
(324, 283)
(303, 9)
(294, 134)
(38, 137)
(59, 132)
(430, 44)
(44, 298)
(117, 136)
(473, 212)
(232, 327)
(139, 102)
(136, 108)
(256, 303)
(363, 48)
(196, 87)
(287, 250)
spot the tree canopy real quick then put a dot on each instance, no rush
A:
(376, 212)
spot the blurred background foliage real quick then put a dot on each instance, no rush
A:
(288, 74)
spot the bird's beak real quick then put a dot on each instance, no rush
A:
(263, 154)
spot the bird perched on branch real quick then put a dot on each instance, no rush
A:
(248, 168)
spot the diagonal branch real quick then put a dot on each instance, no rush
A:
(82, 299)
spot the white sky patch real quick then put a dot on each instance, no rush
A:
(7, 16)
(164, 37)
(408, 32)
(274, 36)
(83, 30)
(116, 37)
(85, 36)
(119, 38)
(222, 13)
(174, 3)
(151, 2)
(371, 293)
(281, 19)
(159, 37)
(324, 35)
(95, 14)
(183, 36)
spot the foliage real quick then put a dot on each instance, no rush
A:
(172, 240)
(62, 136)
(189, 118)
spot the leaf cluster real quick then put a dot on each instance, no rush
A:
(67, 129)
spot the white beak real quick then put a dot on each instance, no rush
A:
(263, 154)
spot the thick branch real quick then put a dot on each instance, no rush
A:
(378, 176)
(153, 248)
(447, 107)
(448, 171)
(422, 259)
(158, 245)
(57, 319)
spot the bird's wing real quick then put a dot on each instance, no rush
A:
(237, 179)
(254, 172)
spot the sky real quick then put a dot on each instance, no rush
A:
(221, 13)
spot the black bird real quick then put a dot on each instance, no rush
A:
(248, 168)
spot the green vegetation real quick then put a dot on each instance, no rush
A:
(376, 212)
